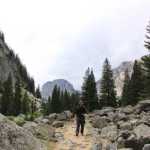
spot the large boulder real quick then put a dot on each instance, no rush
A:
(120, 116)
(109, 132)
(104, 111)
(58, 124)
(135, 139)
(62, 116)
(143, 106)
(127, 110)
(100, 122)
(111, 147)
(96, 146)
(146, 147)
(142, 132)
(125, 125)
(127, 139)
(41, 131)
(13, 137)
(52, 117)
(68, 114)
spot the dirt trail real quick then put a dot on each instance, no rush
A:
(68, 140)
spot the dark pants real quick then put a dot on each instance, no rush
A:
(80, 124)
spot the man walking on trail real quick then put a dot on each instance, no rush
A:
(80, 118)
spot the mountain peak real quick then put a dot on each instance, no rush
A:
(48, 87)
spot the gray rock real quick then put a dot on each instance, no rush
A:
(45, 121)
(52, 117)
(41, 131)
(111, 147)
(125, 149)
(120, 116)
(143, 106)
(96, 146)
(127, 110)
(109, 132)
(100, 122)
(125, 125)
(142, 131)
(104, 111)
(126, 139)
(68, 114)
(13, 137)
(58, 124)
(62, 116)
(59, 136)
(146, 147)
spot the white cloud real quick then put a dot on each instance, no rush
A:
(60, 39)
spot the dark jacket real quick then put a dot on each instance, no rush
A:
(80, 111)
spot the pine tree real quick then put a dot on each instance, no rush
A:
(93, 98)
(38, 93)
(85, 87)
(32, 86)
(25, 107)
(17, 98)
(125, 100)
(146, 65)
(7, 97)
(66, 101)
(49, 107)
(74, 98)
(147, 42)
(55, 101)
(107, 89)
(89, 91)
(44, 108)
(136, 84)
(62, 100)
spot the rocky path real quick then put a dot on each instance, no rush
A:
(68, 141)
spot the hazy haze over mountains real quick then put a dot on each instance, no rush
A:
(60, 39)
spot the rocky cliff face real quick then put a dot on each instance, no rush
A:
(48, 87)
(7, 62)
(11, 64)
(119, 75)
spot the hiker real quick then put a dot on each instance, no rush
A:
(80, 118)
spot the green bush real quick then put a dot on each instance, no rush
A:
(32, 116)
(19, 120)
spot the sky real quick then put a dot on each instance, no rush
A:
(60, 39)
